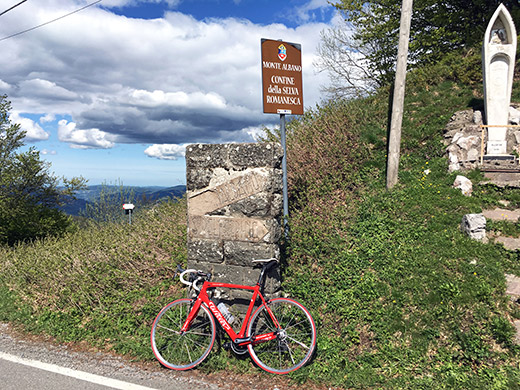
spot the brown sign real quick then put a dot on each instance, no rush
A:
(282, 77)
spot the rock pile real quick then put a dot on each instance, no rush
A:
(463, 138)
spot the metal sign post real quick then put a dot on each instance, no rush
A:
(284, 170)
(129, 208)
(282, 87)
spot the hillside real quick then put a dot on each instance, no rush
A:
(140, 195)
(402, 299)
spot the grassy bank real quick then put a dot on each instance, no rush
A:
(102, 284)
(402, 299)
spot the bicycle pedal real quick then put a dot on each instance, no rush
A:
(227, 346)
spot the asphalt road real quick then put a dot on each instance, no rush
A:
(31, 363)
(15, 376)
(26, 364)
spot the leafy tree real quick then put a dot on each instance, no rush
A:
(438, 27)
(29, 194)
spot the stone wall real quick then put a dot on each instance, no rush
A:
(234, 196)
(463, 138)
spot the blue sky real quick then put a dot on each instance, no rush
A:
(114, 93)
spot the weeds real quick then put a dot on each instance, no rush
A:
(102, 284)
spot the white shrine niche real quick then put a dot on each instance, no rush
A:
(498, 60)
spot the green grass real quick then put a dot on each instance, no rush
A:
(103, 284)
(402, 299)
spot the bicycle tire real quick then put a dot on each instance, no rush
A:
(296, 339)
(182, 351)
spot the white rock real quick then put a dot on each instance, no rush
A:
(514, 116)
(474, 225)
(464, 184)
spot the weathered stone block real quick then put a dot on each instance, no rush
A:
(232, 191)
(246, 276)
(474, 225)
(211, 251)
(253, 206)
(242, 253)
(202, 156)
(238, 229)
(198, 178)
(256, 155)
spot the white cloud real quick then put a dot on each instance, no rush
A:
(33, 130)
(172, 80)
(47, 118)
(83, 139)
(4, 87)
(45, 89)
(46, 152)
(159, 98)
(166, 151)
(256, 132)
(307, 12)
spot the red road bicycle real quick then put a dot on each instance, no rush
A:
(279, 334)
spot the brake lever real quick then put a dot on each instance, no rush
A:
(178, 270)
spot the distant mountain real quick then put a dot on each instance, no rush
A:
(142, 195)
(74, 206)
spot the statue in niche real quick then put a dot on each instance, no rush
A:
(499, 37)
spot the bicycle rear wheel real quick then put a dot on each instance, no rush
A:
(182, 351)
(295, 341)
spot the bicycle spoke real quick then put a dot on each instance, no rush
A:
(182, 350)
(298, 342)
(295, 341)
(187, 350)
(166, 328)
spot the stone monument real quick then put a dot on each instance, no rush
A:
(234, 196)
(498, 61)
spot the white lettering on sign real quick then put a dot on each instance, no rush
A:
(272, 65)
(290, 91)
(292, 68)
(295, 101)
(282, 80)
(274, 89)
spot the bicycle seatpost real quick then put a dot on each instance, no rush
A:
(266, 267)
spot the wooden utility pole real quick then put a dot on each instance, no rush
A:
(394, 139)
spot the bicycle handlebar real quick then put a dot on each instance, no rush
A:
(195, 277)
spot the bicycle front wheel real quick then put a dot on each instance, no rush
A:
(182, 351)
(295, 341)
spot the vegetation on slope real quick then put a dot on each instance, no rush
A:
(401, 297)
(102, 284)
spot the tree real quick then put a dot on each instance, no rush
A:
(29, 195)
(346, 62)
(438, 27)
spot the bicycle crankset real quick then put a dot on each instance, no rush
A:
(239, 350)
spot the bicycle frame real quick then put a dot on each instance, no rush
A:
(239, 338)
